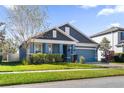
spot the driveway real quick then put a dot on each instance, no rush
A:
(112, 65)
(105, 82)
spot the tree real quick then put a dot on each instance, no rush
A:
(9, 46)
(2, 38)
(105, 47)
(25, 22)
(2, 35)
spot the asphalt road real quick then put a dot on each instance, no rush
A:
(105, 82)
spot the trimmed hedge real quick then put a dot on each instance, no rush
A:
(40, 58)
(119, 57)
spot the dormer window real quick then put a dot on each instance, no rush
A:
(54, 34)
(67, 30)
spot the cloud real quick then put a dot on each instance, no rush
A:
(11, 7)
(115, 24)
(88, 6)
(108, 11)
(72, 21)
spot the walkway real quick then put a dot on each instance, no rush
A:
(41, 71)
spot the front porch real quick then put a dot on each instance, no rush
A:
(67, 50)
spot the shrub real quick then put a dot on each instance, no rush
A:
(119, 57)
(40, 58)
(25, 62)
(82, 59)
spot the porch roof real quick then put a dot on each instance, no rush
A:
(53, 41)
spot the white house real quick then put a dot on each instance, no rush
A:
(116, 37)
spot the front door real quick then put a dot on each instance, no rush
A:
(65, 52)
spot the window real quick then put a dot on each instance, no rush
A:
(122, 35)
(38, 48)
(54, 34)
(55, 49)
(50, 48)
(67, 30)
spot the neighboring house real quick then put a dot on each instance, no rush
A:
(116, 37)
(64, 39)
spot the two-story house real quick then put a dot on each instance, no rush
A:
(116, 37)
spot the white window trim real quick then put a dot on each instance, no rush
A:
(119, 37)
(54, 33)
(86, 44)
(86, 48)
(67, 30)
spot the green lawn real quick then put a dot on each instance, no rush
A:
(46, 67)
(25, 78)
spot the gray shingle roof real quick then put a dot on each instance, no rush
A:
(49, 35)
(112, 29)
(75, 33)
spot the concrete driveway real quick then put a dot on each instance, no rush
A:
(105, 82)
(112, 65)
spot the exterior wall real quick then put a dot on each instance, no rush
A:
(55, 49)
(22, 53)
(61, 48)
(12, 57)
(45, 48)
(58, 49)
(114, 40)
(70, 52)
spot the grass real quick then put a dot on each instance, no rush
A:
(25, 78)
(54, 66)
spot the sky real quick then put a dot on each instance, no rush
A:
(89, 19)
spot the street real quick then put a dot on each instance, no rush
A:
(104, 82)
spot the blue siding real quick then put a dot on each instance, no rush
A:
(70, 52)
(22, 53)
(45, 48)
(89, 55)
(61, 48)
(55, 49)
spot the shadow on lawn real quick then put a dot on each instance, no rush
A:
(11, 63)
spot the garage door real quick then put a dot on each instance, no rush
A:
(90, 55)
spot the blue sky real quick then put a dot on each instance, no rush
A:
(88, 19)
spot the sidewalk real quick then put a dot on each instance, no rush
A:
(41, 71)
(112, 65)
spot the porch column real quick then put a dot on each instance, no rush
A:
(68, 52)
(61, 48)
(32, 48)
(73, 50)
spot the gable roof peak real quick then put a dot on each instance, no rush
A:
(109, 30)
